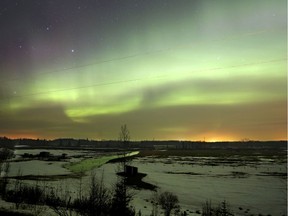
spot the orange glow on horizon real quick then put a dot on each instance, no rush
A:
(21, 136)
(207, 137)
(215, 137)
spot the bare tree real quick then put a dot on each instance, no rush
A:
(155, 204)
(222, 209)
(98, 200)
(59, 201)
(207, 209)
(124, 138)
(168, 201)
(99, 197)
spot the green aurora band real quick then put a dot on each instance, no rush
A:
(216, 71)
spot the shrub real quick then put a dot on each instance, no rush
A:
(168, 201)
(29, 194)
(98, 201)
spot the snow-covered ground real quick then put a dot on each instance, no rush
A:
(255, 188)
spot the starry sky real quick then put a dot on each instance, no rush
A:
(184, 70)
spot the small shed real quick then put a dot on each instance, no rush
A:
(131, 170)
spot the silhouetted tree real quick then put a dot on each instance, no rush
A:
(207, 209)
(121, 199)
(155, 203)
(98, 201)
(222, 209)
(124, 139)
(5, 155)
(124, 136)
(168, 201)
(59, 201)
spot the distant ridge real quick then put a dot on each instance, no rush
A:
(70, 143)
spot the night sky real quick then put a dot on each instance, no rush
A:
(169, 69)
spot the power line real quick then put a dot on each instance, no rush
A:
(140, 79)
(247, 34)
(74, 88)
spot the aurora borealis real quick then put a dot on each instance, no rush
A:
(183, 70)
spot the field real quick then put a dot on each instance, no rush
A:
(251, 185)
(252, 182)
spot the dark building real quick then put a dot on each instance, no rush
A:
(131, 170)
